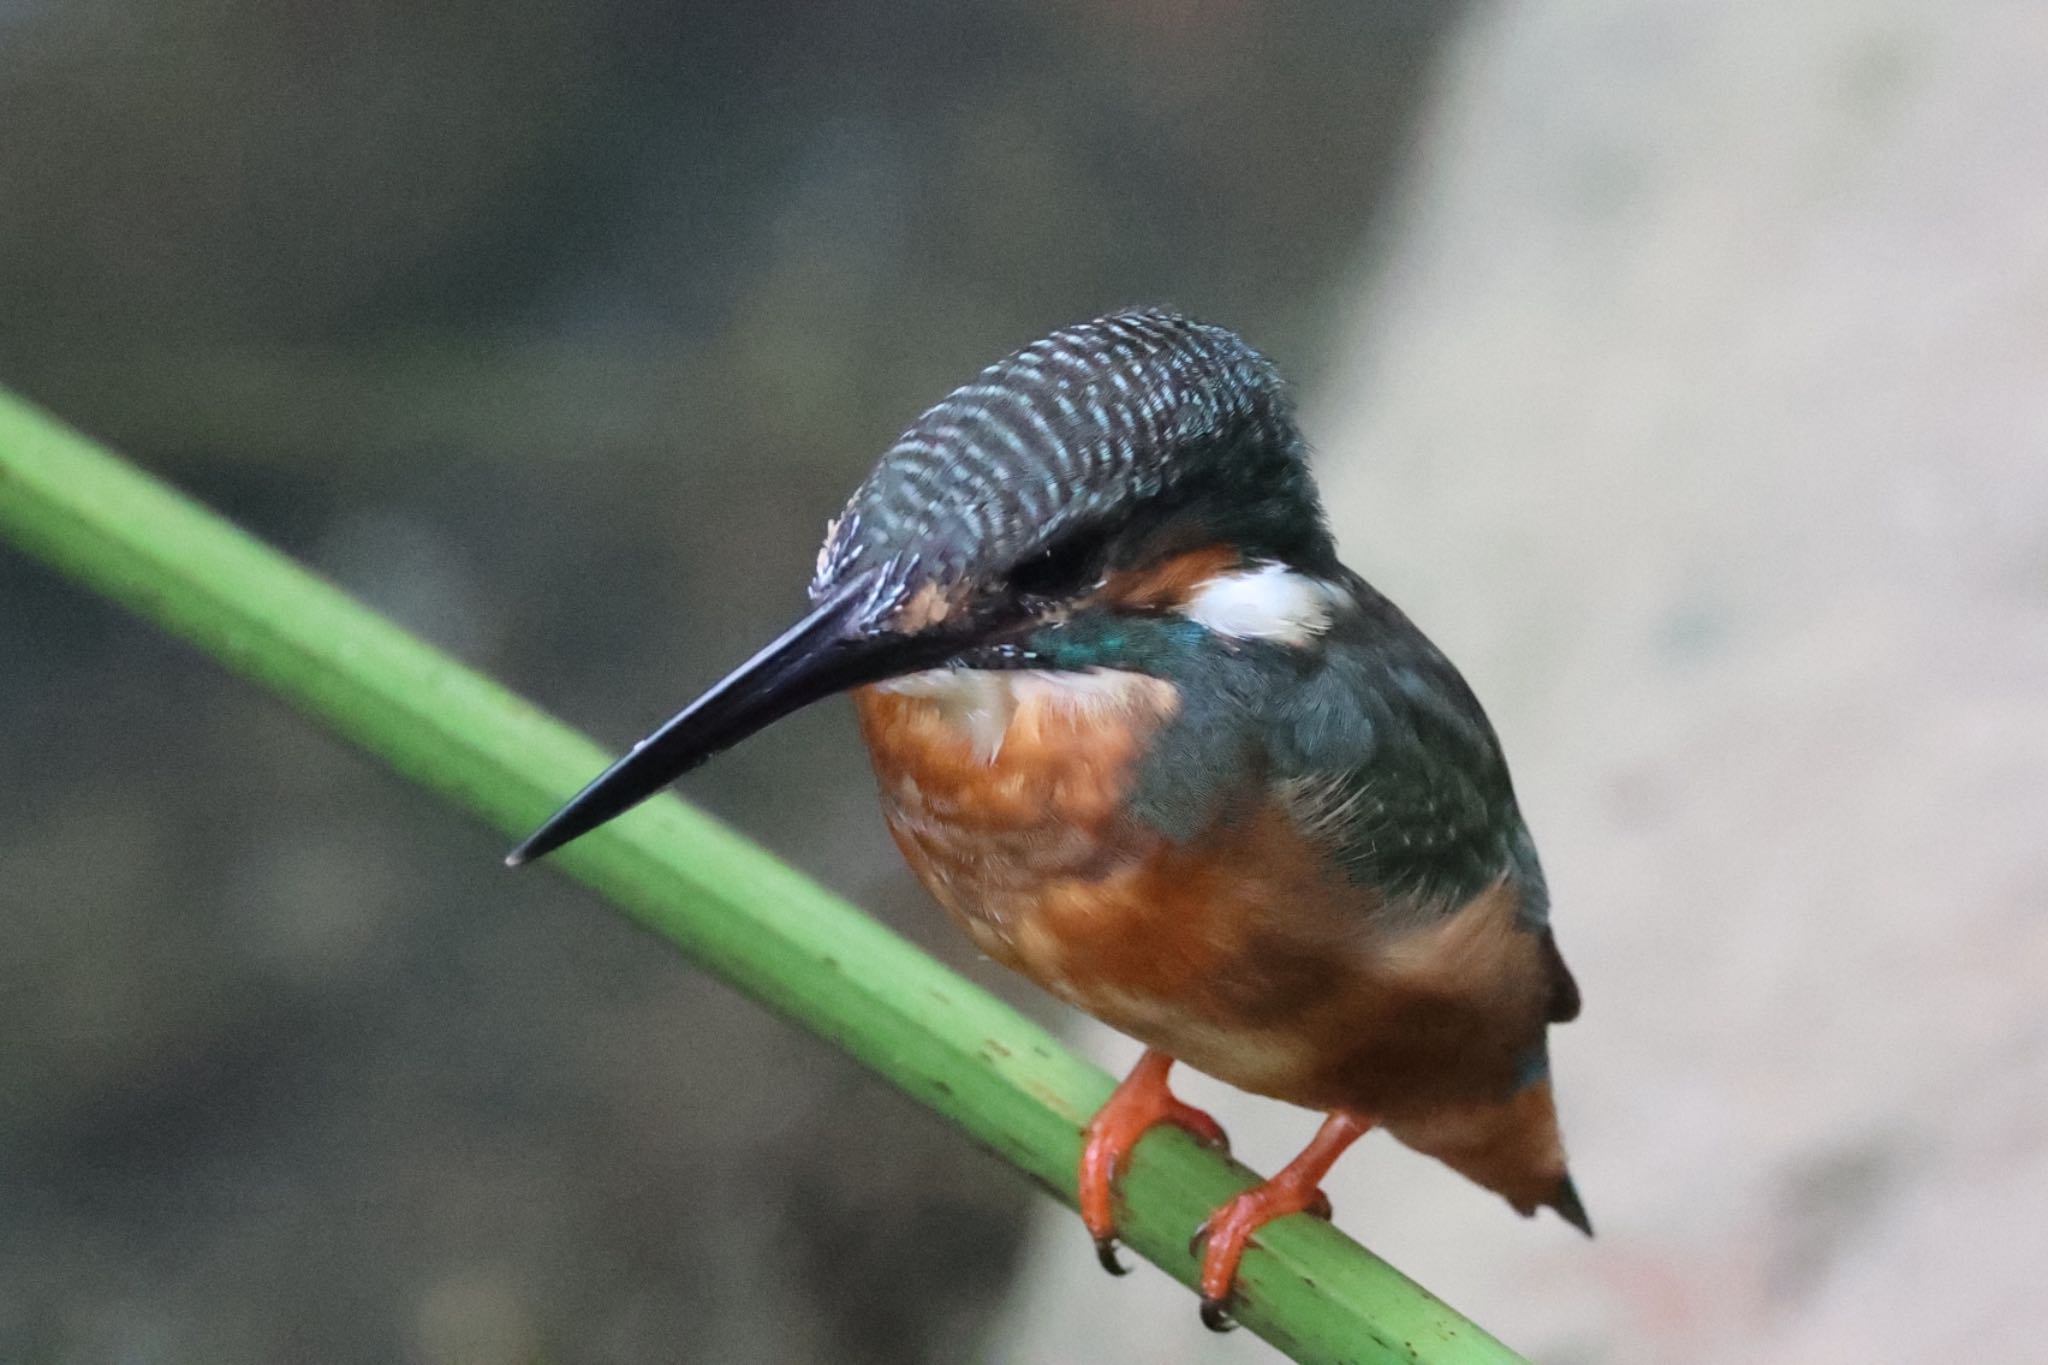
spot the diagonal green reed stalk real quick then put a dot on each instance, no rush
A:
(727, 904)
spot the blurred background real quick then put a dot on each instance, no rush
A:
(1682, 368)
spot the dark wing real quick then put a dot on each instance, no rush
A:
(1385, 753)
(1387, 759)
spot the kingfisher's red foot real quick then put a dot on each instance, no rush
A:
(1297, 1188)
(1139, 1104)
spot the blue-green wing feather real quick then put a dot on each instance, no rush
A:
(1370, 735)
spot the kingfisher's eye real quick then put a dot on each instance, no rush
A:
(1066, 570)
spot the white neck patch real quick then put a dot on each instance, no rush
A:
(1265, 602)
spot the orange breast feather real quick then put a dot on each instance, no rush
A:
(1009, 804)
(1244, 952)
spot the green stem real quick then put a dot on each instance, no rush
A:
(730, 906)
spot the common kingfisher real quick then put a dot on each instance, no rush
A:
(1153, 746)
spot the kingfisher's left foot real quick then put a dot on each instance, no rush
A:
(1224, 1237)
(1138, 1105)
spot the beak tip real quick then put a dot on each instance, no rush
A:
(821, 654)
(549, 837)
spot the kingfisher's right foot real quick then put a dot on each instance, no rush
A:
(1138, 1105)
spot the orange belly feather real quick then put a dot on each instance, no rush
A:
(1245, 953)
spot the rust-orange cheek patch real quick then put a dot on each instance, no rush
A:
(1168, 583)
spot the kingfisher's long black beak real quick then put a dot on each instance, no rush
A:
(831, 650)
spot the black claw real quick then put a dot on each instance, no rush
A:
(1105, 1252)
(1216, 1315)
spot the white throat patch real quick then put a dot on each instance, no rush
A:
(1266, 602)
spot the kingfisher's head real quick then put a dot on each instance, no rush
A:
(1092, 458)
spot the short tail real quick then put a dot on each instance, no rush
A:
(1511, 1147)
(1565, 1199)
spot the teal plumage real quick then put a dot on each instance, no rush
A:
(1393, 757)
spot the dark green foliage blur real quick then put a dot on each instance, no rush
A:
(555, 330)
